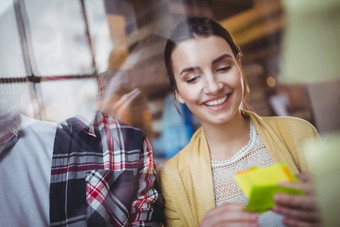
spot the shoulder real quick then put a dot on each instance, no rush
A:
(294, 124)
(286, 120)
(289, 128)
(279, 123)
(286, 128)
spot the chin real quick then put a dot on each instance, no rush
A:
(225, 118)
(219, 121)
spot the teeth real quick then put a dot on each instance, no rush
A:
(217, 102)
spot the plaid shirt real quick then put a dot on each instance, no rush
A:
(103, 175)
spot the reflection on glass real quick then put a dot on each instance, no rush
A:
(15, 97)
(58, 37)
(99, 32)
(11, 59)
(67, 98)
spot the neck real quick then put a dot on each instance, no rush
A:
(225, 140)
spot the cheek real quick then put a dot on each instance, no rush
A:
(188, 93)
(237, 80)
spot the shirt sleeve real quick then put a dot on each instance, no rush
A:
(147, 208)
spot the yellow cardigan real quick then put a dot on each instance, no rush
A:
(186, 180)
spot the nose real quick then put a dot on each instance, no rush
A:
(212, 85)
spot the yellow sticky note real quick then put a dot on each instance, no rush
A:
(267, 176)
(260, 184)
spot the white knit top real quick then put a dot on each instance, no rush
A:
(254, 154)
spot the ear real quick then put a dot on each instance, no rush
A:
(179, 97)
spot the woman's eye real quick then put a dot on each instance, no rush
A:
(223, 69)
(192, 79)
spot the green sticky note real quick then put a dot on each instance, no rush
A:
(261, 184)
(261, 198)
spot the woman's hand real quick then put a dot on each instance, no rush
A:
(229, 214)
(299, 210)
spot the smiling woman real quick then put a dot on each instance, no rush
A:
(210, 84)
(205, 73)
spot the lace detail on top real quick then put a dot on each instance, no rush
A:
(251, 155)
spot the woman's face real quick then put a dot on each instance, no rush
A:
(208, 78)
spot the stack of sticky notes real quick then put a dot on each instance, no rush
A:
(261, 184)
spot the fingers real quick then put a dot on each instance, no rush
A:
(304, 177)
(299, 210)
(126, 99)
(304, 215)
(305, 183)
(306, 187)
(230, 224)
(129, 97)
(306, 202)
(230, 219)
(229, 215)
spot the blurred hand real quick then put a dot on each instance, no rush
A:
(299, 210)
(229, 214)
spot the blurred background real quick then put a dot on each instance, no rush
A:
(61, 58)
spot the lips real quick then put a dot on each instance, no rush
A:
(217, 102)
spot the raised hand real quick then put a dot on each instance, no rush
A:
(229, 214)
(299, 210)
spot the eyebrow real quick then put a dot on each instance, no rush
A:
(189, 69)
(220, 58)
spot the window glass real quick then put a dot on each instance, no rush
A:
(67, 98)
(11, 58)
(99, 32)
(58, 38)
(17, 97)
